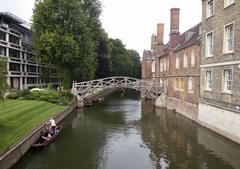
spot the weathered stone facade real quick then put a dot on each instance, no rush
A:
(221, 60)
(219, 107)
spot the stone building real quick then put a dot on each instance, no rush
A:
(24, 68)
(219, 107)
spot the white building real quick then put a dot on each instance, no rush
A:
(24, 68)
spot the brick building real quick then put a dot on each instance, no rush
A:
(24, 68)
(219, 107)
(177, 65)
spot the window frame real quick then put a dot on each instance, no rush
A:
(225, 4)
(225, 50)
(206, 46)
(185, 60)
(192, 83)
(224, 85)
(176, 84)
(177, 62)
(208, 15)
(193, 58)
(207, 80)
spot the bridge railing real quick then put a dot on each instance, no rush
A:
(84, 89)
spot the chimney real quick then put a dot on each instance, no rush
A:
(160, 32)
(174, 28)
(153, 41)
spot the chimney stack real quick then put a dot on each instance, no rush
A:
(160, 32)
(153, 41)
(174, 27)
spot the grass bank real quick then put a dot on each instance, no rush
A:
(19, 117)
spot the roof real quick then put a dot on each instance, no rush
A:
(189, 38)
(16, 19)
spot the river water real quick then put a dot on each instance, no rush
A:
(127, 133)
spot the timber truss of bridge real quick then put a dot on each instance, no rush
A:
(84, 89)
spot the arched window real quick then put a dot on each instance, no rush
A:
(181, 84)
(190, 85)
(161, 66)
(176, 84)
(193, 58)
(177, 62)
(153, 66)
(165, 65)
(185, 60)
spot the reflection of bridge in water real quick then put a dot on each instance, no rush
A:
(149, 88)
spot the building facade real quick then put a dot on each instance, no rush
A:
(219, 107)
(177, 66)
(24, 68)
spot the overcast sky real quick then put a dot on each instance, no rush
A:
(132, 21)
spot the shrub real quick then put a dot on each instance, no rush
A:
(12, 95)
(49, 95)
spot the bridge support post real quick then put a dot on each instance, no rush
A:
(161, 101)
(80, 103)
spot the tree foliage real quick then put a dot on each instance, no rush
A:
(69, 34)
(3, 84)
(64, 33)
(124, 62)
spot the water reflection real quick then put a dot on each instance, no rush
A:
(178, 143)
(125, 133)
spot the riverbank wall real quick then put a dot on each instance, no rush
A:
(219, 120)
(9, 158)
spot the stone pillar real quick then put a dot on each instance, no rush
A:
(80, 104)
(161, 101)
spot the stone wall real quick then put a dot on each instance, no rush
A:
(220, 120)
(185, 108)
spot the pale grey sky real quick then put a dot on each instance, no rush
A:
(132, 21)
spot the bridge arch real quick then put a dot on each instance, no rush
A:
(84, 89)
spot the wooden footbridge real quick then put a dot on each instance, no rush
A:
(84, 89)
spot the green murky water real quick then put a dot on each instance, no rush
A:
(127, 133)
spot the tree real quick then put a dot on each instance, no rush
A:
(64, 33)
(3, 83)
(124, 62)
(103, 57)
(136, 63)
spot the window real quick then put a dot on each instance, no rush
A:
(209, 80)
(228, 2)
(2, 51)
(193, 58)
(176, 84)
(181, 84)
(165, 65)
(185, 60)
(227, 83)
(177, 62)
(190, 85)
(210, 8)
(228, 38)
(153, 66)
(161, 66)
(209, 44)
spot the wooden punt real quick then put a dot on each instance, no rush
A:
(41, 143)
